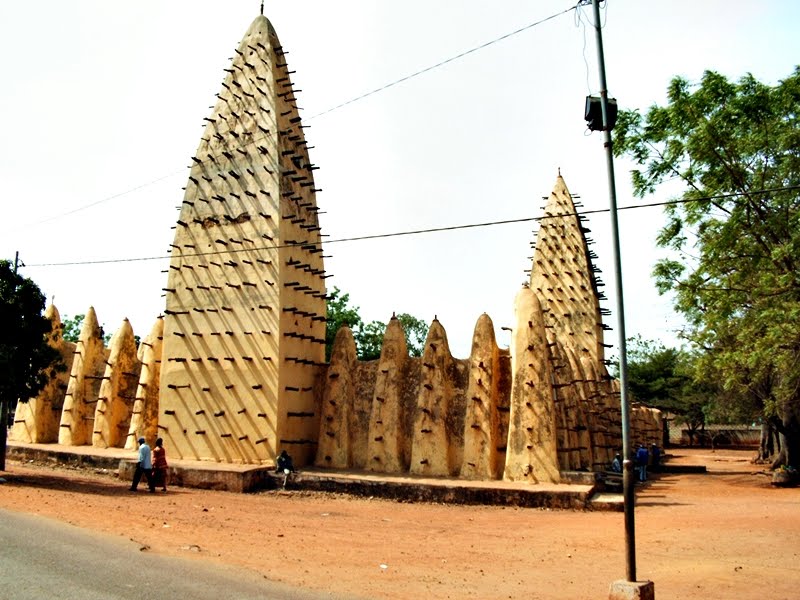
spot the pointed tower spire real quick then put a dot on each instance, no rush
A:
(565, 278)
(244, 326)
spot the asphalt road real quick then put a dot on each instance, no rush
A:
(42, 558)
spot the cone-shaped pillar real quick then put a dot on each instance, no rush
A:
(481, 421)
(432, 452)
(112, 414)
(387, 445)
(565, 278)
(244, 330)
(144, 419)
(336, 423)
(83, 389)
(37, 420)
(532, 452)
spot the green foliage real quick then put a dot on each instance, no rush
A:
(26, 360)
(665, 378)
(368, 336)
(734, 234)
(71, 327)
(416, 331)
(339, 312)
(25, 356)
(657, 375)
(369, 340)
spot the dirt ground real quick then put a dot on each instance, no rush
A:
(724, 534)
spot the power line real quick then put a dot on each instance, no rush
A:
(444, 62)
(422, 231)
(324, 112)
(101, 201)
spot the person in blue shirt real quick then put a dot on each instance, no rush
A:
(642, 457)
(616, 464)
(144, 467)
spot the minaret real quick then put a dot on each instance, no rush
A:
(244, 330)
(565, 279)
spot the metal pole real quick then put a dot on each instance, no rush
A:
(627, 463)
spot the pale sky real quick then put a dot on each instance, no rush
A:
(102, 105)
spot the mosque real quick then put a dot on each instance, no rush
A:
(235, 372)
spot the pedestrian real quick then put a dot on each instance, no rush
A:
(655, 453)
(616, 464)
(642, 457)
(143, 467)
(160, 465)
(284, 465)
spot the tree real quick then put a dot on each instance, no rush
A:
(72, 330)
(733, 232)
(656, 374)
(369, 340)
(27, 361)
(368, 336)
(665, 378)
(416, 331)
(339, 312)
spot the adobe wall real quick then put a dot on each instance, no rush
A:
(115, 402)
(83, 389)
(244, 331)
(144, 415)
(37, 420)
(235, 371)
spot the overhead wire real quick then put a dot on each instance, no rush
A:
(101, 201)
(445, 62)
(324, 112)
(421, 231)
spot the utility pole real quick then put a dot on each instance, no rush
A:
(629, 588)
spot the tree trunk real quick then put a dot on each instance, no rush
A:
(3, 433)
(766, 445)
(790, 437)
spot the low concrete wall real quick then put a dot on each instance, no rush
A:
(248, 478)
(62, 457)
(209, 478)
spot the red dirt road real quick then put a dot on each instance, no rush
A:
(725, 534)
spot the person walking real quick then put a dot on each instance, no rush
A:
(143, 467)
(642, 458)
(160, 465)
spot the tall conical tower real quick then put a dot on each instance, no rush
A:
(565, 279)
(245, 319)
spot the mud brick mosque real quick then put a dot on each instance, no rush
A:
(234, 371)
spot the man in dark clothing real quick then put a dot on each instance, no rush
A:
(284, 462)
(144, 467)
(284, 465)
(655, 453)
(642, 456)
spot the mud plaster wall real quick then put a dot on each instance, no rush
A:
(241, 371)
(112, 415)
(144, 416)
(245, 321)
(37, 420)
(83, 389)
